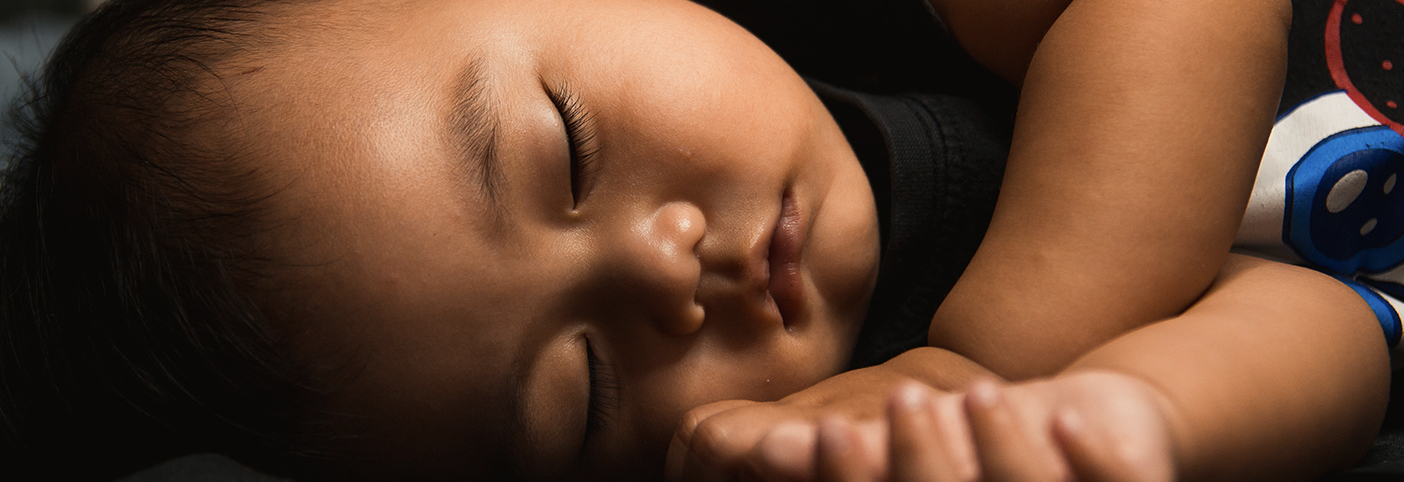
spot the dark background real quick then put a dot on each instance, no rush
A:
(29, 29)
(12, 8)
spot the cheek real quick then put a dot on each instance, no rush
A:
(710, 120)
(710, 375)
(846, 248)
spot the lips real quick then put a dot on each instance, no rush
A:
(786, 286)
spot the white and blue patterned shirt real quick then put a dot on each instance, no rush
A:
(1328, 191)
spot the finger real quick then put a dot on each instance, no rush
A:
(842, 453)
(712, 439)
(1005, 450)
(790, 452)
(1095, 457)
(916, 451)
(948, 412)
(873, 434)
(787, 453)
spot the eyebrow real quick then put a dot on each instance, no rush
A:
(472, 127)
(472, 134)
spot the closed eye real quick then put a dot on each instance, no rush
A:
(604, 395)
(580, 133)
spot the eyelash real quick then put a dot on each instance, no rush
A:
(603, 398)
(580, 130)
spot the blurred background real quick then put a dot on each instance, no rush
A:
(29, 29)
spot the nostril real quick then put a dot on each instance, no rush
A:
(687, 322)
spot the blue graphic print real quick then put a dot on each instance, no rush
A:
(1389, 320)
(1343, 210)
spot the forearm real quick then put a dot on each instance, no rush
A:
(1140, 127)
(1278, 372)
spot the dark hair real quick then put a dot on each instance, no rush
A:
(128, 331)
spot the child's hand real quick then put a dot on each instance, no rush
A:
(1098, 426)
(718, 441)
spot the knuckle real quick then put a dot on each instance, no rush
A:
(711, 440)
(688, 425)
(691, 419)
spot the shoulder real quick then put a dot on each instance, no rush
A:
(1000, 34)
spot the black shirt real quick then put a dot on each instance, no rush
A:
(935, 163)
(930, 126)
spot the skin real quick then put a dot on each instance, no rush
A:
(426, 296)
(1276, 373)
(1141, 125)
(427, 299)
(1110, 221)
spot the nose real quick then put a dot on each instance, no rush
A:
(659, 261)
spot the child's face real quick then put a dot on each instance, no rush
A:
(464, 312)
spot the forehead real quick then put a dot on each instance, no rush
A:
(349, 124)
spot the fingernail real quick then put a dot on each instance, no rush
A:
(984, 393)
(789, 448)
(910, 398)
(1072, 422)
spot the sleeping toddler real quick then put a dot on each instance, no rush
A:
(551, 239)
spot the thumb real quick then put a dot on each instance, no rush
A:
(709, 441)
(1097, 456)
(785, 454)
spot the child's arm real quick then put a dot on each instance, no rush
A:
(1140, 128)
(1277, 371)
(1254, 382)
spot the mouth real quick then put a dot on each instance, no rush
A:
(786, 285)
